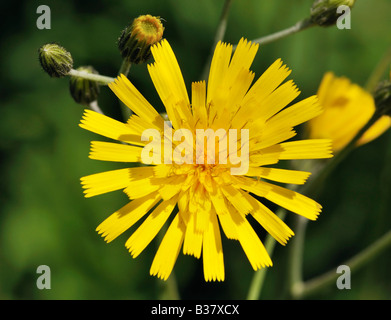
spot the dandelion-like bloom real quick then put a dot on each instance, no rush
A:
(208, 197)
(347, 108)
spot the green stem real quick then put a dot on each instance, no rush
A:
(91, 76)
(299, 26)
(378, 72)
(95, 107)
(170, 289)
(358, 261)
(124, 69)
(296, 254)
(220, 32)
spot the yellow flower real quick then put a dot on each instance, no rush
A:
(205, 198)
(348, 108)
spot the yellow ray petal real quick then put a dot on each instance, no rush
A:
(178, 110)
(218, 69)
(301, 149)
(104, 182)
(110, 128)
(171, 186)
(229, 112)
(192, 244)
(108, 151)
(183, 206)
(141, 187)
(183, 201)
(238, 89)
(252, 246)
(167, 170)
(279, 99)
(212, 251)
(236, 198)
(203, 206)
(125, 217)
(241, 61)
(133, 99)
(198, 101)
(263, 159)
(137, 173)
(262, 110)
(228, 92)
(269, 221)
(168, 80)
(283, 197)
(139, 125)
(150, 227)
(228, 226)
(218, 200)
(165, 57)
(279, 175)
(168, 251)
(113, 180)
(269, 137)
(298, 113)
(267, 82)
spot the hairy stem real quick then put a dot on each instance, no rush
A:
(125, 67)
(361, 259)
(95, 107)
(90, 76)
(299, 26)
(295, 276)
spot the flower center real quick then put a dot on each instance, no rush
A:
(148, 28)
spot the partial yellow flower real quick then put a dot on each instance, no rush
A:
(206, 198)
(348, 108)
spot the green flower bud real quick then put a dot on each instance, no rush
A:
(82, 90)
(55, 60)
(324, 12)
(382, 96)
(136, 40)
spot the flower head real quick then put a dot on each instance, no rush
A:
(209, 196)
(325, 12)
(84, 91)
(348, 107)
(55, 60)
(136, 39)
(382, 97)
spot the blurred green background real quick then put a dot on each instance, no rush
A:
(44, 218)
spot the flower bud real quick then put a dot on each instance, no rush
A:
(324, 12)
(82, 90)
(382, 96)
(55, 60)
(136, 40)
